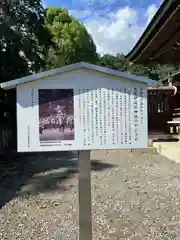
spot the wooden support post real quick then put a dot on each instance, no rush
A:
(84, 192)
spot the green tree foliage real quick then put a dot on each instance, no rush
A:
(165, 70)
(71, 41)
(30, 42)
(119, 62)
(24, 40)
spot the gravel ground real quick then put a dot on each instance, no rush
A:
(134, 196)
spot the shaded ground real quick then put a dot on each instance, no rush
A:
(134, 196)
(38, 173)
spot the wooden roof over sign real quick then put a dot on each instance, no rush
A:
(160, 42)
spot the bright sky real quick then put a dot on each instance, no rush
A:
(115, 25)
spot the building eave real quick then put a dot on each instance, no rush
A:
(150, 35)
(75, 66)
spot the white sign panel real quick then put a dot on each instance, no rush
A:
(81, 118)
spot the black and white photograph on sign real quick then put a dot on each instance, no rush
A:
(56, 115)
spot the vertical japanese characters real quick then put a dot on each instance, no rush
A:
(111, 116)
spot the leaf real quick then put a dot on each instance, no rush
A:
(72, 42)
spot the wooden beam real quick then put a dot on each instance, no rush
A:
(150, 28)
(167, 46)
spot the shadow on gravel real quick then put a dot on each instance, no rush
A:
(31, 174)
(166, 140)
